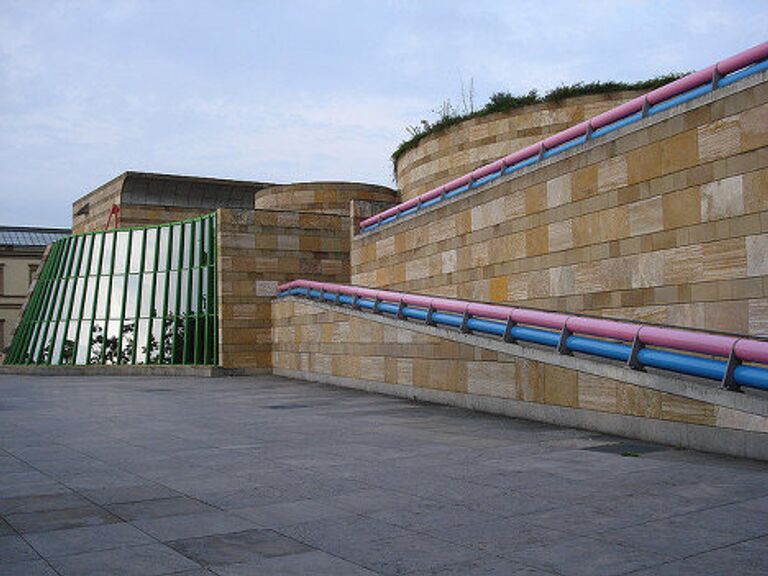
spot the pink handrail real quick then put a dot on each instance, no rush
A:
(745, 349)
(675, 88)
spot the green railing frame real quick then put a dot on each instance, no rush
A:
(80, 270)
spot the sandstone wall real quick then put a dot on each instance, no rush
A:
(90, 212)
(664, 221)
(257, 250)
(441, 157)
(326, 197)
(359, 349)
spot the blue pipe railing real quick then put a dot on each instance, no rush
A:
(681, 363)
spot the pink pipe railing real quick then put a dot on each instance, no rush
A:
(675, 88)
(745, 349)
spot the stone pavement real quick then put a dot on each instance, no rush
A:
(264, 475)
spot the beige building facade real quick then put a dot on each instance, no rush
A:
(21, 251)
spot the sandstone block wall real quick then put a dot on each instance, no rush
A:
(441, 157)
(334, 345)
(664, 221)
(259, 249)
(326, 197)
(90, 212)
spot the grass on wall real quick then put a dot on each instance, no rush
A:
(448, 115)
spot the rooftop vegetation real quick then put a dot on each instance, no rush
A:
(448, 114)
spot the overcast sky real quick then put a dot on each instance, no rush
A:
(287, 90)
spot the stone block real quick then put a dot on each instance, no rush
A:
(491, 379)
(562, 280)
(584, 183)
(722, 199)
(535, 199)
(498, 289)
(739, 420)
(597, 392)
(682, 208)
(719, 139)
(679, 152)
(754, 128)
(725, 260)
(683, 265)
(637, 401)
(612, 174)
(559, 191)
(560, 235)
(537, 241)
(450, 375)
(682, 409)
(647, 270)
(646, 216)
(529, 381)
(758, 317)
(643, 164)
(561, 386)
(757, 255)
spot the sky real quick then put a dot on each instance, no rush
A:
(292, 90)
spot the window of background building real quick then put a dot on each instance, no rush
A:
(2, 280)
(32, 271)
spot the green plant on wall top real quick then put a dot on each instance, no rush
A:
(448, 115)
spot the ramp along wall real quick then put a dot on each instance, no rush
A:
(126, 296)
(664, 221)
(342, 345)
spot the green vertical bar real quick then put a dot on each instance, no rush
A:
(79, 240)
(164, 314)
(126, 273)
(178, 289)
(81, 308)
(109, 297)
(152, 291)
(189, 291)
(139, 288)
(199, 271)
(206, 343)
(53, 299)
(215, 285)
(99, 277)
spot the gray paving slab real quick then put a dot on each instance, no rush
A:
(27, 568)
(88, 539)
(268, 475)
(42, 503)
(238, 547)
(313, 562)
(159, 508)
(15, 549)
(149, 560)
(88, 515)
(193, 525)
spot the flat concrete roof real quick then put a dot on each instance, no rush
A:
(266, 475)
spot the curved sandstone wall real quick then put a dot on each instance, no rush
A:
(664, 221)
(326, 197)
(441, 157)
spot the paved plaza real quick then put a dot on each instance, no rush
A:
(264, 475)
